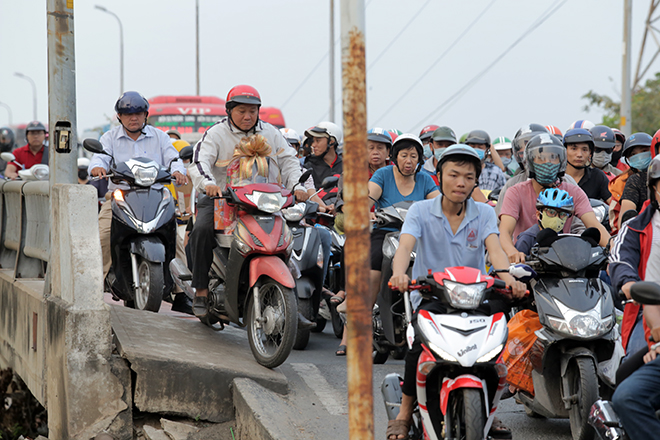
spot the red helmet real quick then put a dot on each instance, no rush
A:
(427, 132)
(654, 143)
(242, 95)
(553, 130)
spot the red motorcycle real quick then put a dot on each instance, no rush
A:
(250, 281)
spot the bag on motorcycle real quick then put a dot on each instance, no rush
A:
(224, 216)
(517, 353)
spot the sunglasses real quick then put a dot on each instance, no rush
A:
(551, 212)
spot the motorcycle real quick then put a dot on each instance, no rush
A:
(143, 232)
(578, 337)
(334, 280)
(388, 317)
(35, 172)
(250, 282)
(602, 417)
(459, 376)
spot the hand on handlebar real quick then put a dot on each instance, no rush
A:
(180, 178)
(98, 172)
(301, 195)
(213, 190)
(400, 282)
(518, 289)
(516, 257)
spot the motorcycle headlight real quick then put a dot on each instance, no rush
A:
(443, 354)
(145, 176)
(40, 172)
(585, 325)
(465, 296)
(294, 213)
(491, 354)
(390, 245)
(266, 202)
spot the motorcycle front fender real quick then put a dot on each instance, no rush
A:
(573, 353)
(304, 288)
(273, 267)
(149, 248)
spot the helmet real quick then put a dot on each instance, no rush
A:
(406, 141)
(242, 95)
(544, 143)
(444, 134)
(394, 133)
(290, 135)
(555, 198)
(380, 135)
(180, 145)
(478, 137)
(502, 143)
(131, 102)
(35, 126)
(327, 130)
(579, 136)
(553, 130)
(619, 135)
(523, 135)
(83, 162)
(427, 132)
(603, 137)
(636, 140)
(652, 177)
(459, 152)
(7, 139)
(174, 132)
(582, 123)
(654, 143)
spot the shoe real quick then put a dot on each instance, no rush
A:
(337, 299)
(200, 307)
(304, 323)
(182, 304)
(341, 351)
(499, 431)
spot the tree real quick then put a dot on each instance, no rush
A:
(645, 107)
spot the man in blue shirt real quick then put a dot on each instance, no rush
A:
(450, 230)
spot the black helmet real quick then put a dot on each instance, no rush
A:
(35, 126)
(579, 136)
(636, 140)
(523, 135)
(478, 137)
(7, 139)
(544, 143)
(604, 137)
(652, 177)
(405, 141)
(131, 102)
(456, 153)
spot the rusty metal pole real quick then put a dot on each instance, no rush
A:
(356, 211)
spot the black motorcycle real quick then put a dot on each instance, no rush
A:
(143, 231)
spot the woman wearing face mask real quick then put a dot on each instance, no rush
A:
(604, 142)
(441, 139)
(637, 152)
(504, 149)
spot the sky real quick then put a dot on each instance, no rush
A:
(281, 48)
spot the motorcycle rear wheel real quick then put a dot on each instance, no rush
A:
(271, 340)
(302, 335)
(150, 280)
(465, 416)
(583, 382)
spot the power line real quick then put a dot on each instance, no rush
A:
(454, 98)
(440, 58)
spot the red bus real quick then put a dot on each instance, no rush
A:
(193, 115)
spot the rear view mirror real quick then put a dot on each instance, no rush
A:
(7, 157)
(94, 146)
(186, 153)
(329, 182)
(646, 292)
(305, 176)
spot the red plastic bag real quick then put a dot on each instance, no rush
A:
(517, 353)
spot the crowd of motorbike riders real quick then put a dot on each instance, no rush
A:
(476, 197)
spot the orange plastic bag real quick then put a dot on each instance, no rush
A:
(224, 216)
(517, 353)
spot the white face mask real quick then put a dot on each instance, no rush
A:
(601, 159)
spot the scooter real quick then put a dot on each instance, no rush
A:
(459, 377)
(250, 282)
(389, 318)
(143, 231)
(578, 336)
(602, 417)
(36, 172)
(334, 281)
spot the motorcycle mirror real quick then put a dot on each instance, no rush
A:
(305, 176)
(329, 182)
(186, 153)
(494, 196)
(7, 157)
(646, 292)
(94, 146)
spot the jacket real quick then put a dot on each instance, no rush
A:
(321, 170)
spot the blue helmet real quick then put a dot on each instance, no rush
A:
(377, 134)
(579, 136)
(555, 198)
(131, 102)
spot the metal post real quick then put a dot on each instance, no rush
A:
(626, 92)
(197, 47)
(331, 74)
(34, 93)
(61, 90)
(9, 115)
(356, 211)
(121, 46)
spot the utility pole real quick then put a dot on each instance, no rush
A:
(626, 92)
(356, 209)
(197, 47)
(61, 93)
(332, 62)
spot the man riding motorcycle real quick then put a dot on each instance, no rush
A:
(34, 152)
(209, 175)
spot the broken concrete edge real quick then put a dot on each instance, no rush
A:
(260, 413)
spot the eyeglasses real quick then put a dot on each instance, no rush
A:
(551, 212)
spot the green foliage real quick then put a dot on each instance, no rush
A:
(645, 107)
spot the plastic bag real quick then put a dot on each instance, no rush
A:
(517, 353)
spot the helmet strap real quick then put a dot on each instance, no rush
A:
(140, 130)
(578, 167)
(229, 112)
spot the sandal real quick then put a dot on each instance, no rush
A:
(499, 431)
(337, 299)
(341, 351)
(398, 428)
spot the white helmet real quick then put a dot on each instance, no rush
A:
(326, 129)
(582, 123)
(290, 135)
(83, 162)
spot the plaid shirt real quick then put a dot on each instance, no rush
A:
(491, 178)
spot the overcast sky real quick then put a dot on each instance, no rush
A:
(274, 46)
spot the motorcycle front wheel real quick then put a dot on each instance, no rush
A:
(465, 418)
(583, 383)
(271, 338)
(149, 293)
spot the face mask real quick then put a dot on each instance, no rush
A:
(640, 161)
(513, 166)
(438, 152)
(427, 151)
(616, 155)
(506, 161)
(481, 153)
(554, 223)
(601, 159)
(82, 174)
(546, 173)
